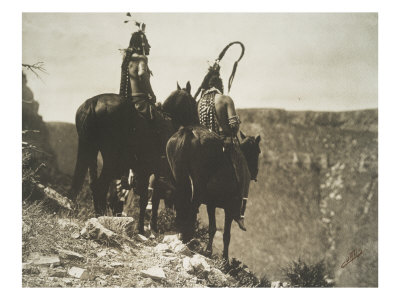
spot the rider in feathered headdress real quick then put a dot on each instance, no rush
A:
(217, 112)
(135, 73)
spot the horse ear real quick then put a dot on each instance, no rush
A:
(258, 139)
(177, 86)
(242, 136)
(188, 87)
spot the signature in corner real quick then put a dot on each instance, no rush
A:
(352, 256)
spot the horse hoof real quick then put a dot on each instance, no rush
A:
(154, 227)
(226, 261)
(208, 252)
(140, 230)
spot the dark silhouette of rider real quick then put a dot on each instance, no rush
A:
(217, 112)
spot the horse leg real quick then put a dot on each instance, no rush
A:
(155, 201)
(192, 214)
(142, 185)
(227, 235)
(100, 189)
(183, 205)
(114, 201)
(212, 228)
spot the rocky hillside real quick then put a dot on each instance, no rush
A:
(64, 246)
(105, 252)
(316, 196)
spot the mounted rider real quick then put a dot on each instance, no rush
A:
(135, 74)
(217, 112)
(135, 88)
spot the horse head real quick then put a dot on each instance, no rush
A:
(250, 146)
(181, 106)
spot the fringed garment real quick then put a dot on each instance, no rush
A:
(207, 113)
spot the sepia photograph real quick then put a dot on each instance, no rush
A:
(194, 150)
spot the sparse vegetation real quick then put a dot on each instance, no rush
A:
(301, 274)
(166, 221)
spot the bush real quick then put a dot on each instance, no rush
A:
(301, 274)
(241, 273)
(166, 220)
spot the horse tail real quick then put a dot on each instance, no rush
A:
(86, 159)
(87, 149)
(85, 119)
(178, 154)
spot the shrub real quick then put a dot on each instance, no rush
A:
(241, 273)
(301, 274)
(166, 220)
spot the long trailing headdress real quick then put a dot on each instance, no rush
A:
(216, 67)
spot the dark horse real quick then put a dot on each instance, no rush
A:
(204, 175)
(111, 126)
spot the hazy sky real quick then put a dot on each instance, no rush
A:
(328, 61)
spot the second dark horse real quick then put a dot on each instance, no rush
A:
(204, 175)
(111, 126)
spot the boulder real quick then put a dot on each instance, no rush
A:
(187, 266)
(216, 278)
(70, 255)
(120, 225)
(176, 245)
(182, 249)
(199, 264)
(55, 197)
(161, 247)
(79, 273)
(116, 264)
(58, 272)
(142, 238)
(93, 229)
(196, 265)
(168, 239)
(47, 261)
(75, 235)
(154, 273)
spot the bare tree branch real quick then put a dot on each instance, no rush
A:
(39, 66)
